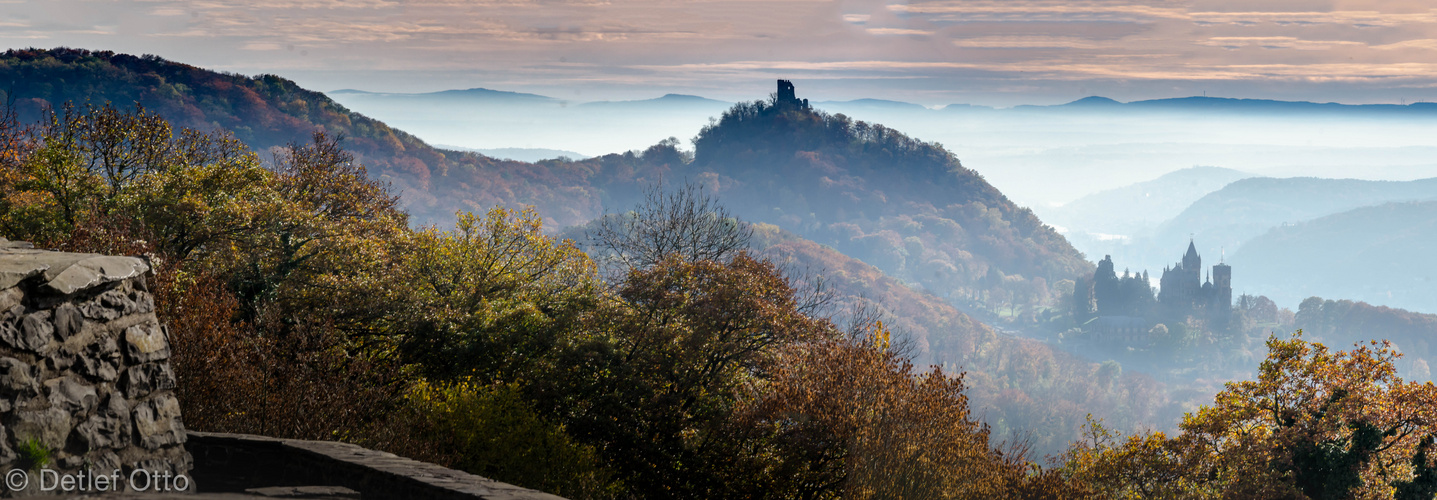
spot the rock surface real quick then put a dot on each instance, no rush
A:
(84, 365)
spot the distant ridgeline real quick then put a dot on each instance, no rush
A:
(1124, 308)
(906, 206)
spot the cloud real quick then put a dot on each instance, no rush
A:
(257, 45)
(1347, 17)
(1027, 42)
(292, 4)
(1425, 43)
(1275, 42)
(897, 31)
(1028, 11)
(931, 47)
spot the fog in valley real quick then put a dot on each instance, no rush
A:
(1116, 179)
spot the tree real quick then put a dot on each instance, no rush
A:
(655, 380)
(852, 419)
(685, 223)
(1315, 424)
(493, 297)
(204, 211)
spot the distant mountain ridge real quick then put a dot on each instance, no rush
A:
(666, 99)
(1290, 238)
(1379, 254)
(882, 104)
(1090, 103)
(1237, 105)
(1244, 209)
(789, 166)
(905, 206)
(521, 154)
(1127, 209)
(474, 94)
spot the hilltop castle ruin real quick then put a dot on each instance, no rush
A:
(787, 97)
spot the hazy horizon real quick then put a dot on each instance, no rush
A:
(928, 52)
(1041, 160)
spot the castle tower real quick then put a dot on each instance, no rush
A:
(1222, 291)
(786, 93)
(787, 97)
(1191, 261)
(1182, 285)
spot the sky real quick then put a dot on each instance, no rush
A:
(990, 52)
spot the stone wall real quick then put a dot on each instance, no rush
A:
(84, 370)
(233, 463)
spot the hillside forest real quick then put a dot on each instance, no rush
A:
(685, 347)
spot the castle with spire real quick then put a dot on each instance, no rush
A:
(1182, 292)
(1123, 307)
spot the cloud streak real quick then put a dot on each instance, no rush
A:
(985, 51)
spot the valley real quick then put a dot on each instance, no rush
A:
(475, 273)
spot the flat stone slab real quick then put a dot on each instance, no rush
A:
(63, 272)
(374, 474)
(208, 496)
(325, 492)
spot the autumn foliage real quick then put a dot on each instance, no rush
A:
(1315, 424)
(304, 305)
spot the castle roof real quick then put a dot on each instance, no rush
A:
(1192, 251)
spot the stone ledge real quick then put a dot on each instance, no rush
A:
(63, 273)
(235, 463)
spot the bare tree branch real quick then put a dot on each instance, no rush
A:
(686, 224)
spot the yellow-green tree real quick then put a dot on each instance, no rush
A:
(493, 297)
(1315, 424)
(271, 277)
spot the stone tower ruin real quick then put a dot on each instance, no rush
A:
(787, 97)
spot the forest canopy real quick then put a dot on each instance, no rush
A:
(307, 303)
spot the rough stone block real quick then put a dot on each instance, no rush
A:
(117, 300)
(50, 426)
(37, 331)
(140, 381)
(96, 311)
(72, 395)
(157, 422)
(146, 342)
(7, 455)
(144, 302)
(11, 297)
(107, 428)
(68, 320)
(16, 377)
(27, 332)
(101, 359)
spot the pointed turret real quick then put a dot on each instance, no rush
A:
(1191, 261)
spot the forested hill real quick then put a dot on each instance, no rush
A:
(264, 111)
(906, 206)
